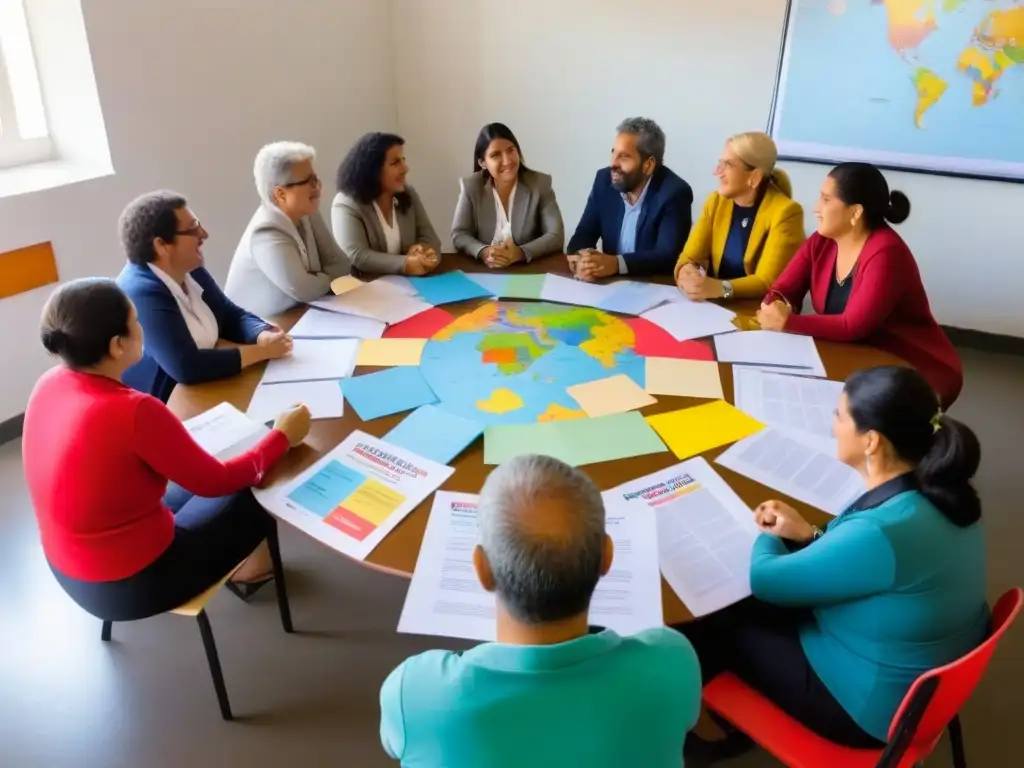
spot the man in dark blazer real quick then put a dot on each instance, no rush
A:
(639, 210)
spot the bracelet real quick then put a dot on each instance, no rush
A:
(816, 533)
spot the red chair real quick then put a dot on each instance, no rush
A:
(930, 705)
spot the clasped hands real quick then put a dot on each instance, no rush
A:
(420, 260)
(773, 315)
(274, 343)
(502, 254)
(697, 286)
(590, 264)
(783, 521)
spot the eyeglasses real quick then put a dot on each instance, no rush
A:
(311, 180)
(194, 231)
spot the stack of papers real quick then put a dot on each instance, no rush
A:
(386, 392)
(448, 288)
(446, 599)
(356, 494)
(574, 441)
(694, 430)
(320, 324)
(314, 360)
(790, 466)
(705, 532)
(322, 398)
(225, 432)
(771, 350)
(691, 319)
(802, 406)
(377, 300)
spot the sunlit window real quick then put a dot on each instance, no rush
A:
(24, 135)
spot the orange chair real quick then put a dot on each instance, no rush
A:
(930, 705)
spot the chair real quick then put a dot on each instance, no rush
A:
(196, 608)
(930, 705)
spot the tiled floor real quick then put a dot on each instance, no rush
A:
(310, 699)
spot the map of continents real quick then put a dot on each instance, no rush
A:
(931, 84)
(510, 362)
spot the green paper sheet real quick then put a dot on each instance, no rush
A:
(574, 441)
(522, 287)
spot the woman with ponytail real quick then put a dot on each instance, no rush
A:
(844, 620)
(749, 228)
(863, 280)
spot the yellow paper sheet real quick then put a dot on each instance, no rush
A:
(695, 430)
(390, 352)
(345, 284)
(683, 378)
(616, 394)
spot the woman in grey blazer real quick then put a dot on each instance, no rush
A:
(378, 219)
(286, 255)
(506, 212)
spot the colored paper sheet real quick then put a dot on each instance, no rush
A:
(683, 378)
(489, 281)
(434, 433)
(629, 297)
(576, 441)
(398, 282)
(448, 288)
(694, 430)
(390, 352)
(390, 391)
(654, 341)
(522, 287)
(345, 284)
(614, 394)
(421, 326)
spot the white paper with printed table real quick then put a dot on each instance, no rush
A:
(355, 495)
(446, 599)
(706, 532)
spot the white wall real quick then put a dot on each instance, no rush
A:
(190, 90)
(562, 73)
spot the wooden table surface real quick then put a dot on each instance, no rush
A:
(397, 553)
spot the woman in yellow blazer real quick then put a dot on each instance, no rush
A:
(749, 228)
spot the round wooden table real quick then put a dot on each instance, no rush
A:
(397, 553)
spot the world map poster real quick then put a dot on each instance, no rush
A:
(925, 85)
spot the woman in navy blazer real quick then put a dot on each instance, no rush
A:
(182, 310)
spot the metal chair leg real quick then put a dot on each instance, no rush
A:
(282, 592)
(105, 632)
(214, 661)
(956, 743)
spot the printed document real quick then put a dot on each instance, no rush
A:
(786, 352)
(803, 406)
(446, 599)
(778, 460)
(321, 324)
(314, 360)
(225, 432)
(705, 532)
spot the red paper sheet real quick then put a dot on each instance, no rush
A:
(421, 326)
(655, 341)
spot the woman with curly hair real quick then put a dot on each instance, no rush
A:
(378, 219)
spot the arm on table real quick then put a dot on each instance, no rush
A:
(588, 231)
(673, 232)
(795, 280)
(784, 239)
(464, 226)
(697, 250)
(234, 323)
(350, 231)
(425, 232)
(553, 238)
(277, 256)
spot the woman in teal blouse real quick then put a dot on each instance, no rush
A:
(844, 620)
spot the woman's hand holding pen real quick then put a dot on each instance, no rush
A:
(774, 312)
(693, 280)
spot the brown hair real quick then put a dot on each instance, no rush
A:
(81, 317)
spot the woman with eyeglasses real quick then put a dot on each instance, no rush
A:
(287, 255)
(749, 229)
(181, 308)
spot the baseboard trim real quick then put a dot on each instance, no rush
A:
(984, 341)
(11, 429)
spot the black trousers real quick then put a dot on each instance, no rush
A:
(211, 536)
(760, 644)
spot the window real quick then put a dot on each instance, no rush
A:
(24, 134)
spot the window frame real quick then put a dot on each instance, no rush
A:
(16, 151)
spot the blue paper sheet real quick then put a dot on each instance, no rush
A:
(490, 282)
(448, 288)
(434, 434)
(390, 391)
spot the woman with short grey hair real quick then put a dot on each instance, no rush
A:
(287, 255)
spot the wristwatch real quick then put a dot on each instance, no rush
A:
(726, 289)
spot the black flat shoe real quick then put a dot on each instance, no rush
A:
(246, 590)
(733, 745)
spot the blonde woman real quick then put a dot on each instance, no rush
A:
(749, 229)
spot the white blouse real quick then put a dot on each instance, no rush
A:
(199, 318)
(392, 233)
(503, 226)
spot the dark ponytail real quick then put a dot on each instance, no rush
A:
(864, 185)
(900, 405)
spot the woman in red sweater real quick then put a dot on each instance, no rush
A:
(98, 456)
(863, 280)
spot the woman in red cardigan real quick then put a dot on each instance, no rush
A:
(98, 456)
(864, 282)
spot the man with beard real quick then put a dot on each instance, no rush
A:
(638, 209)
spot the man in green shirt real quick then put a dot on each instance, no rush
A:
(552, 691)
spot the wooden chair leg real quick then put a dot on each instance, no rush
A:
(108, 626)
(956, 743)
(282, 592)
(214, 661)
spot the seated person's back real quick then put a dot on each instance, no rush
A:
(549, 692)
